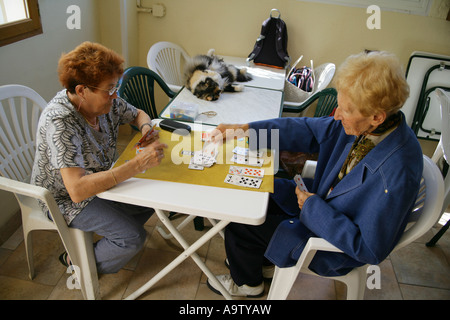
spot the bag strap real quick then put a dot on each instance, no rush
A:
(259, 42)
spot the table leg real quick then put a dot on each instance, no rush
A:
(190, 251)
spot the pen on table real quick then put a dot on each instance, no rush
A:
(138, 144)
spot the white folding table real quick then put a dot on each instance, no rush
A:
(220, 205)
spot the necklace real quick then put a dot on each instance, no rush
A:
(95, 126)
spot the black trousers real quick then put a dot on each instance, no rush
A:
(245, 246)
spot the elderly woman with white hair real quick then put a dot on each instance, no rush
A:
(367, 178)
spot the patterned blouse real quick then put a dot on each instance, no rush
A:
(65, 139)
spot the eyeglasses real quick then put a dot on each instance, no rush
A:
(110, 91)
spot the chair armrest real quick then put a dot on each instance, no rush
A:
(32, 191)
(23, 188)
(312, 246)
(309, 169)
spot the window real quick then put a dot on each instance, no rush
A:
(419, 7)
(19, 19)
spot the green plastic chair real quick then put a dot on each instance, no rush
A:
(326, 103)
(294, 161)
(137, 87)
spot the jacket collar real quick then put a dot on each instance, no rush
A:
(372, 161)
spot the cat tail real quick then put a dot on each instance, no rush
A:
(243, 76)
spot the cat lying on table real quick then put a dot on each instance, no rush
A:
(207, 76)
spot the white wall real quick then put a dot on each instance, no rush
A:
(33, 62)
(323, 32)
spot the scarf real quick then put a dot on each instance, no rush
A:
(365, 143)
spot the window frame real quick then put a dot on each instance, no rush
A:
(22, 29)
(415, 7)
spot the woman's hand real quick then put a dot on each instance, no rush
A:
(150, 136)
(150, 156)
(229, 131)
(302, 196)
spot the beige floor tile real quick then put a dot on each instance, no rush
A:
(190, 235)
(308, 287)
(417, 264)
(65, 290)
(181, 283)
(47, 247)
(389, 287)
(423, 293)
(18, 289)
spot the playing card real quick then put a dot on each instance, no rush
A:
(236, 170)
(187, 153)
(231, 178)
(202, 160)
(258, 162)
(206, 136)
(255, 154)
(243, 171)
(241, 151)
(253, 172)
(194, 166)
(249, 182)
(210, 149)
(300, 184)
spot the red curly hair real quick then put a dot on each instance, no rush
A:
(88, 64)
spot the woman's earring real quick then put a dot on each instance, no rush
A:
(79, 106)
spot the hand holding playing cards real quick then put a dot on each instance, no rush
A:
(149, 135)
(229, 131)
(302, 196)
(150, 156)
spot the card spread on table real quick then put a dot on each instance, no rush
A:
(204, 158)
(250, 153)
(243, 181)
(300, 184)
(251, 161)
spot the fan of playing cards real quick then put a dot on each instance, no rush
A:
(204, 158)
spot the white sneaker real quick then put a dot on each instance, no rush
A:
(267, 271)
(235, 290)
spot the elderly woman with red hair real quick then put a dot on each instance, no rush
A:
(76, 147)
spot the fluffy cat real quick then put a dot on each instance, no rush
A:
(207, 76)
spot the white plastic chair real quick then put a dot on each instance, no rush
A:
(443, 149)
(20, 109)
(168, 59)
(428, 209)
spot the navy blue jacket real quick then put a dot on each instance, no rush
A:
(365, 214)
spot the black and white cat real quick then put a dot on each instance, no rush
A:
(207, 76)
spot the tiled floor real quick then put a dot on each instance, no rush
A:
(414, 272)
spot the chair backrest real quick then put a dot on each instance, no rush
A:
(168, 59)
(327, 102)
(138, 88)
(444, 97)
(428, 204)
(20, 109)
